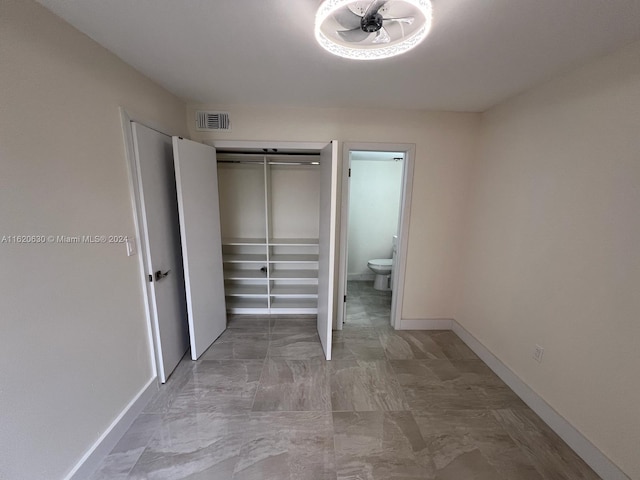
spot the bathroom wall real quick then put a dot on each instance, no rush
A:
(374, 206)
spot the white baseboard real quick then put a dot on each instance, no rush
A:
(597, 460)
(112, 435)
(425, 324)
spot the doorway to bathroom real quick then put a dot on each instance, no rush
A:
(376, 195)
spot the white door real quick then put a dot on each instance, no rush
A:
(198, 204)
(159, 224)
(327, 252)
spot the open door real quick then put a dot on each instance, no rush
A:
(160, 237)
(327, 238)
(199, 211)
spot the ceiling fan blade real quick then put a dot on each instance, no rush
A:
(374, 7)
(407, 20)
(353, 35)
(346, 18)
(382, 36)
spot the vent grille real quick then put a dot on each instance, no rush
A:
(213, 121)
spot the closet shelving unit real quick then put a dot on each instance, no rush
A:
(269, 206)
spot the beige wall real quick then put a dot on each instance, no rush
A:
(73, 341)
(445, 145)
(552, 247)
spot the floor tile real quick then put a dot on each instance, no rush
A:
(357, 350)
(296, 346)
(364, 385)
(250, 323)
(425, 372)
(239, 345)
(225, 386)
(129, 449)
(287, 445)
(380, 445)
(551, 456)
(458, 439)
(406, 344)
(451, 345)
(293, 385)
(288, 326)
(161, 402)
(193, 446)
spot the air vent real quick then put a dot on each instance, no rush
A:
(213, 121)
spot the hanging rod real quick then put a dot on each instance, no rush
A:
(258, 162)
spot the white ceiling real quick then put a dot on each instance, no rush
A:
(263, 52)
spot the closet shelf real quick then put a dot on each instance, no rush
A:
(301, 291)
(294, 275)
(301, 306)
(245, 275)
(244, 258)
(293, 258)
(244, 241)
(247, 305)
(246, 290)
(293, 242)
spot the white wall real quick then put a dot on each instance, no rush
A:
(553, 247)
(375, 189)
(445, 146)
(73, 342)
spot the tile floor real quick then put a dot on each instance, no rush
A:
(262, 404)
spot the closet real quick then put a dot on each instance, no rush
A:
(269, 247)
(269, 215)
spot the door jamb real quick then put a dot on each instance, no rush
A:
(397, 295)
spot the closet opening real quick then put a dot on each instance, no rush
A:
(278, 210)
(269, 215)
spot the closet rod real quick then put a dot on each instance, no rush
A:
(258, 162)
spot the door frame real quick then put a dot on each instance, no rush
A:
(153, 336)
(397, 295)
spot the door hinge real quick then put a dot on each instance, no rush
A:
(151, 278)
(349, 172)
(345, 298)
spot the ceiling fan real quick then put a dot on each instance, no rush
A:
(361, 22)
(372, 29)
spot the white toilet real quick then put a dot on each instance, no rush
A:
(382, 268)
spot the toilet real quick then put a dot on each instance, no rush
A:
(382, 268)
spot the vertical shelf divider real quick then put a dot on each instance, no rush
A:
(267, 213)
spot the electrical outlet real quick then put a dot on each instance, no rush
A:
(537, 354)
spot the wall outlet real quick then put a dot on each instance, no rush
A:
(537, 353)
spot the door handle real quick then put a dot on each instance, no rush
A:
(160, 275)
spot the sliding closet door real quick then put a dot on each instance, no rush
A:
(327, 241)
(199, 209)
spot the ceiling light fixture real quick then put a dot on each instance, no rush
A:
(372, 29)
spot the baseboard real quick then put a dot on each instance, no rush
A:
(101, 448)
(597, 460)
(425, 324)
